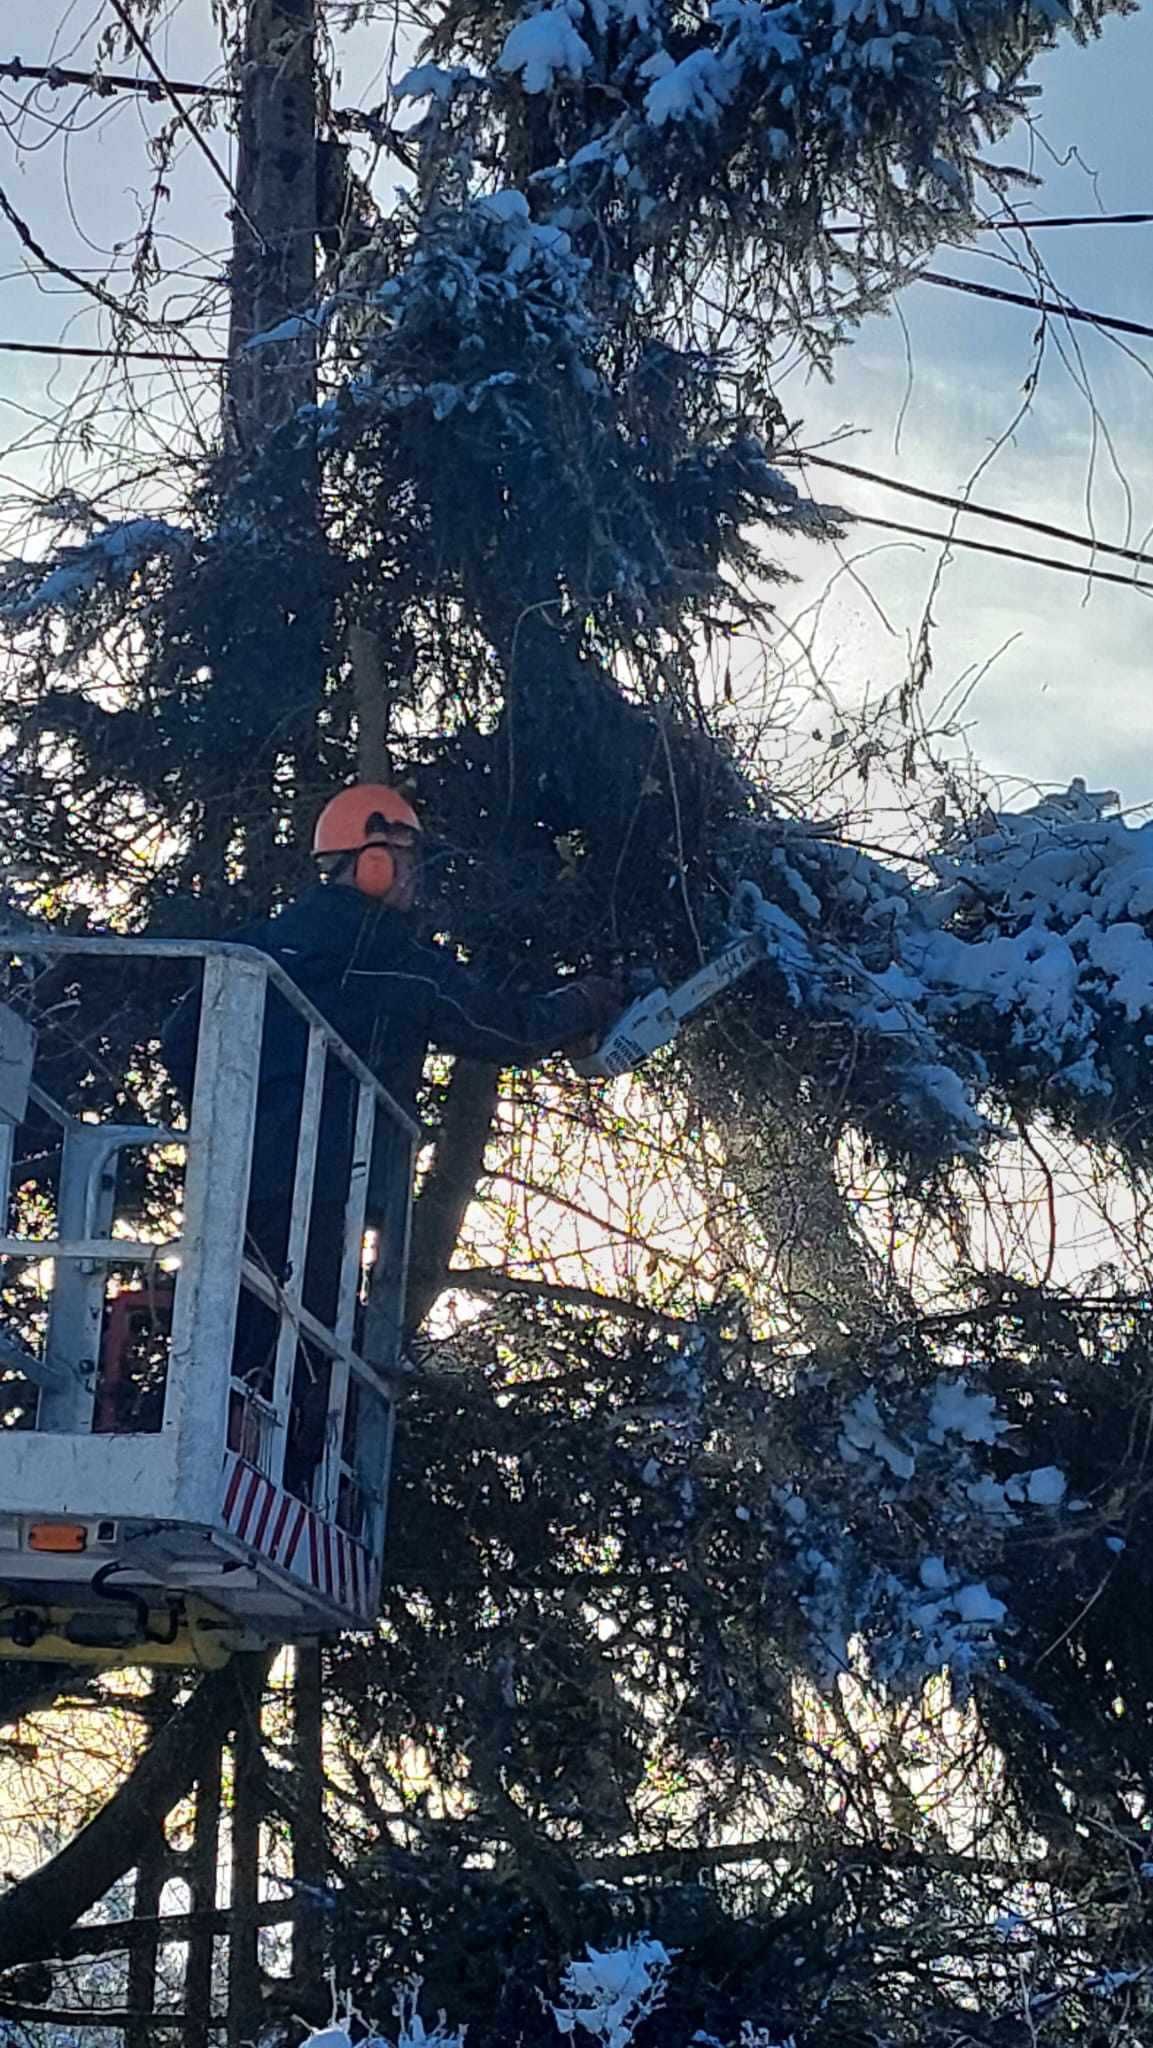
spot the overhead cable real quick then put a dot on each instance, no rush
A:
(93, 288)
(987, 547)
(364, 120)
(980, 511)
(1068, 220)
(111, 355)
(1056, 307)
(56, 76)
(960, 505)
(1025, 226)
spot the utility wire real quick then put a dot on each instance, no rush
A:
(111, 355)
(169, 356)
(1021, 227)
(56, 76)
(956, 540)
(987, 547)
(1054, 306)
(892, 483)
(365, 121)
(91, 286)
(1068, 220)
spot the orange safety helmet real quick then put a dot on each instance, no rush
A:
(358, 821)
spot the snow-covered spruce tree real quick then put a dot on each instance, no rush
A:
(544, 484)
(700, 1605)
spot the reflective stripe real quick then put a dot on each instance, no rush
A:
(281, 1519)
(297, 1532)
(242, 1519)
(233, 1488)
(263, 1518)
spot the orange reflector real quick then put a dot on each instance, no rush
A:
(70, 1536)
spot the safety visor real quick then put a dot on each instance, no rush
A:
(382, 831)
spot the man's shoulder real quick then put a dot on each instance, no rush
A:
(381, 941)
(369, 938)
(314, 920)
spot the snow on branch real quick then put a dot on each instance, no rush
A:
(606, 1994)
(1020, 976)
(742, 91)
(435, 82)
(113, 555)
(543, 48)
(611, 1992)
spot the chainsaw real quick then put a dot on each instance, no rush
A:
(656, 1018)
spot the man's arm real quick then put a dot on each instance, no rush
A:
(467, 1015)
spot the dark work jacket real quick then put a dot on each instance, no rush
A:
(389, 997)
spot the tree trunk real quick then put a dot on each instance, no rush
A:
(270, 385)
(151, 1872)
(202, 1881)
(469, 1108)
(309, 1847)
(247, 1814)
(274, 225)
(371, 693)
(37, 1912)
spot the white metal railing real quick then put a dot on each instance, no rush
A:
(359, 1344)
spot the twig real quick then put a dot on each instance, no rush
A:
(185, 119)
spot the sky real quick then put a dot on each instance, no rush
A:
(1070, 695)
(929, 395)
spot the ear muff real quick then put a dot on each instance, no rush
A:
(375, 870)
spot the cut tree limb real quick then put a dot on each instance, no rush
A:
(82, 2016)
(117, 1937)
(371, 694)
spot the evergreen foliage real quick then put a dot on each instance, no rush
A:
(764, 1553)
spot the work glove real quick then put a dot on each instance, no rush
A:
(606, 996)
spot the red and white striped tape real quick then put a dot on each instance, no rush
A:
(290, 1534)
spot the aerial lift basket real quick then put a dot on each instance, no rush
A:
(155, 1505)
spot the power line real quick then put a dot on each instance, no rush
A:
(1026, 227)
(111, 355)
(92, 286)
(892, 483)
(1068, 220)
(56, 76)
(365, 121)
(1054, 306)
(987, 547)
(1086, 571)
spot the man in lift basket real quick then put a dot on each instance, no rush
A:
(349, 945)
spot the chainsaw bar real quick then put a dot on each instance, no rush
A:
(655, 1019)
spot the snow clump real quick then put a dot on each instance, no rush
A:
(893, 1563)
(611, 1991)
(111, 555)
(1020, 977)
(544, 47)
